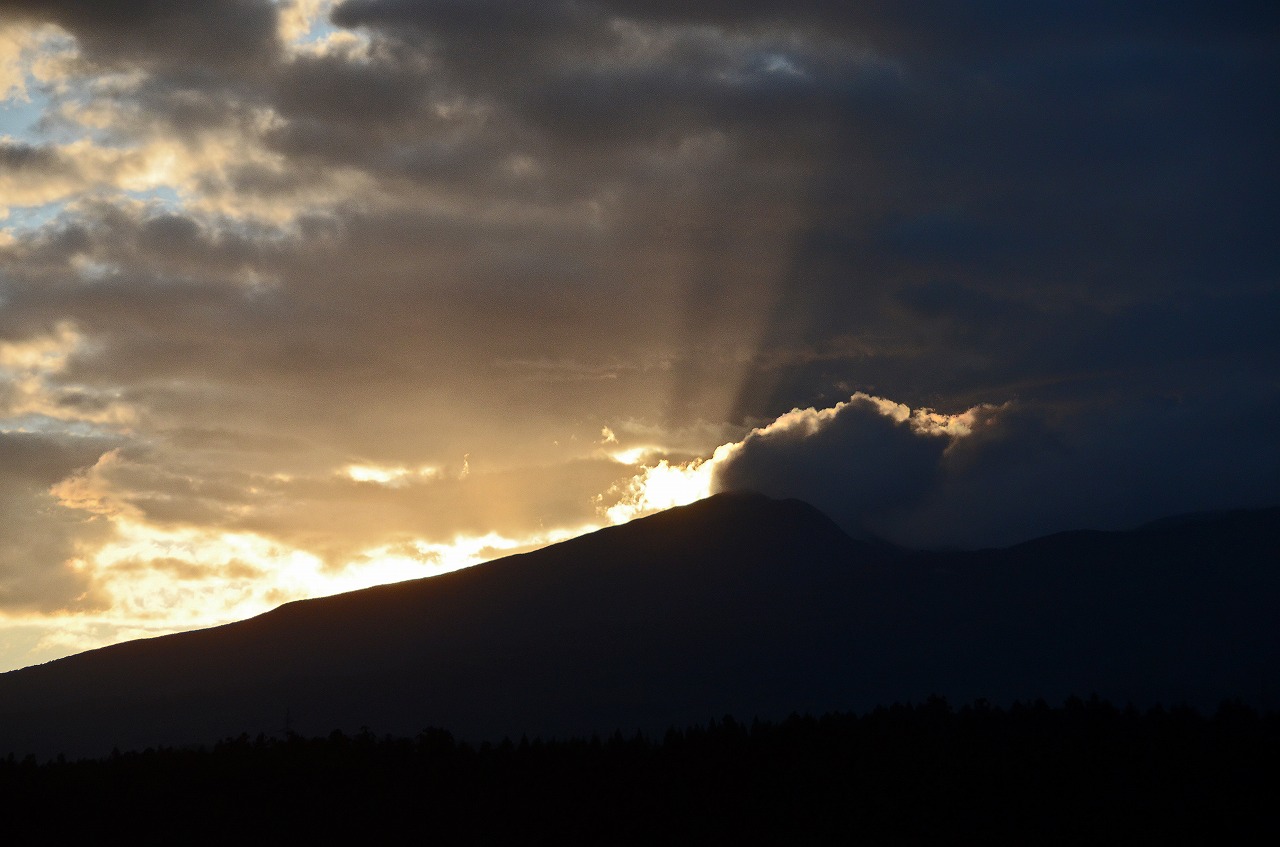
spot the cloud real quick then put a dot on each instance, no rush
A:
(42, 543)
(34, 387)
(221, 33)
(859, 460)
(993, 476)
(1036, 469)
(12, 82)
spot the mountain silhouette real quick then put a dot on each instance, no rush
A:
(738, 604)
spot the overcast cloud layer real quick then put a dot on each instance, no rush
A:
(300, 296)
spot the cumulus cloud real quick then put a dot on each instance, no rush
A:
(856, 461)
(993, 476)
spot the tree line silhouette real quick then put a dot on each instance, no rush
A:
(1028, 773)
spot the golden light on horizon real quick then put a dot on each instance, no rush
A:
(391, 475)
(150, 581)
(662, 486)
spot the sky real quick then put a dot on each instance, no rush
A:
(302, 296)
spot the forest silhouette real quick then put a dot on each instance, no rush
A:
(1080, 772)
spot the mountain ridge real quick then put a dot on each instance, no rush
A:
(736, 604)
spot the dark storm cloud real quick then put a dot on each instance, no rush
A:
(1014, 227)
(1037, 469)
(1024, 470)
(590, 78)
(378, 95)
(856, 465)
(227, 34)
(20, 157)
(940, 27)
(490, 34)
(997, 188)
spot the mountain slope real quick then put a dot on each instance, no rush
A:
(604, 630)
(738, 604)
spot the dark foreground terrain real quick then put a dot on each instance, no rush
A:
(735, 605)
(1086, 772)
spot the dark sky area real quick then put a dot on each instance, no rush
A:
(300, 296)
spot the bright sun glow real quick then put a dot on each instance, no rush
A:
(632, 455)
(392, 476)
(156, 581)
(664, 486)
(193, 577)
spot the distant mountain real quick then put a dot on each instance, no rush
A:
(736, 605)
